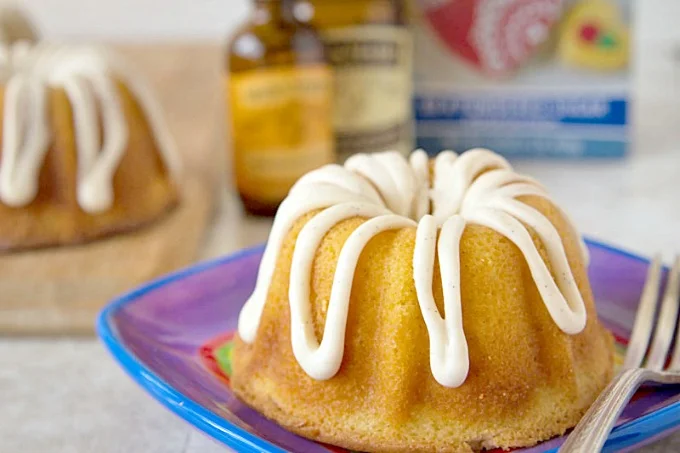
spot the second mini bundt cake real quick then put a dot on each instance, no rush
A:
(422, 306)
(84, 150)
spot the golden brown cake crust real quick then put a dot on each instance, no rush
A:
(143, 189)
(528, 381)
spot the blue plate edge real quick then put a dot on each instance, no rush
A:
(655, 425)
(187, 409)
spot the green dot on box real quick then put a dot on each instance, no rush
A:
(607, 40)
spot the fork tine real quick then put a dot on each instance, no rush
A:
(666, 321)
(644, 320)
(673, 290)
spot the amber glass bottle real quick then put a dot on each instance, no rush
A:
(280, 97)
(370, 47)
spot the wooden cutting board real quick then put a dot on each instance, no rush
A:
(61, 290)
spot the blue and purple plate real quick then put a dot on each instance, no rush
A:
(163, 332)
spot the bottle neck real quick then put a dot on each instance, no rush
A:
(278, 11)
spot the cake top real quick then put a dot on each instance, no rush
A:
(391, 192)
(89, 77)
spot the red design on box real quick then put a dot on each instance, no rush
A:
(496, 36)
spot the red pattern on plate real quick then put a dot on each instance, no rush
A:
(207, 355)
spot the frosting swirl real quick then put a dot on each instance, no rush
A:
(390, 192)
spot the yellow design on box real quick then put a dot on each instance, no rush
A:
(595, 36)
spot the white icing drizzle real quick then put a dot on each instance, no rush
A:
(88, 76)
(323, 361)
(449, 359)
(477, 187)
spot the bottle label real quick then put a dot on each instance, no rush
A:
(281, 127)
(373, 88)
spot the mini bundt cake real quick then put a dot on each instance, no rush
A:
(422, 306)
(84, 151)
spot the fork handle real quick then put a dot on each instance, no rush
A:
(594, 428)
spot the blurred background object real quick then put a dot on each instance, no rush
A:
(369, 45)
(280, 91)
(527, 78)
(89, 177)
(312, 80)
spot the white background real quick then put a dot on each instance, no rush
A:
(137, 20)
(144, 20)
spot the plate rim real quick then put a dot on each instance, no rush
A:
(186, 408)
(624, 436)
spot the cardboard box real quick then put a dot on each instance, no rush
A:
(527, 78)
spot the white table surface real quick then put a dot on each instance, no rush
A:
(68, 396)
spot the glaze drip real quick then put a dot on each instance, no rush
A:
(390, 192)
(88, 76)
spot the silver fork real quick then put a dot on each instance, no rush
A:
(594, 428)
